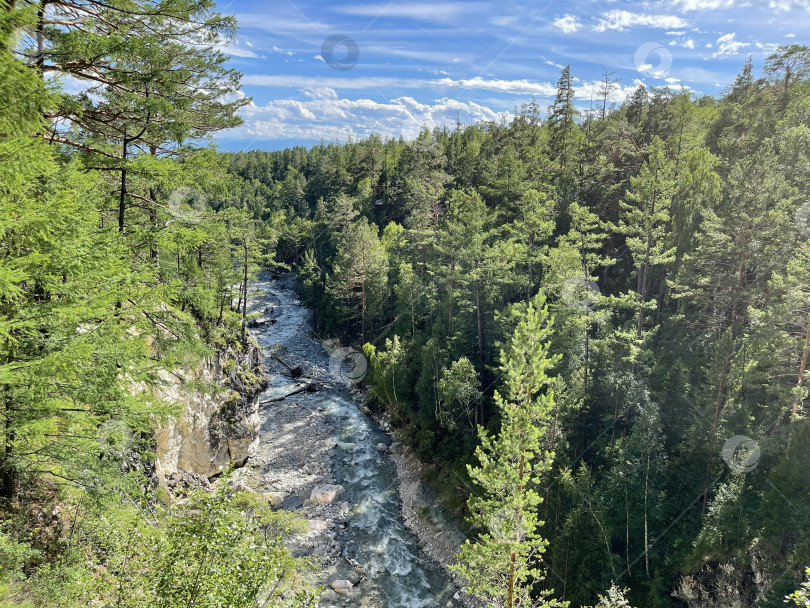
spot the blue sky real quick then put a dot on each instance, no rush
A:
(344, 69)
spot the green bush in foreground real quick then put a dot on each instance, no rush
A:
(218, 550)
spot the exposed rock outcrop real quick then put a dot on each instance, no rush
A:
(219, 423)
(738, 583)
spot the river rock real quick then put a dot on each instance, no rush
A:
(354, 578)
(318, 526)
(342, 586)
(291, 503)
(329, 595)
(274, 498)
(381, 447)
(326, 494)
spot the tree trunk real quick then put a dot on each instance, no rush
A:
(722, 384)
(479, 321)
(122, 200)
(797, 406)
(646, 529)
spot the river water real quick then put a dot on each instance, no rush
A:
(375, 535)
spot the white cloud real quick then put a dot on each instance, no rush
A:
(422, 11)
(590, 90)
(790, 35)
(621, 20)
(703, 5)
(687, 44)
(422, 54)
(321, 93)
(324, 88)
(275, 49)
(567, 24)
(768, 47)
(727, 45)
(234, 48)
(340, 119)
(361, 83)
(787, 5)
(518, 87)
(337, 83)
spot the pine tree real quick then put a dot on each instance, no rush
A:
(561, 119)
(503, 564)
(359, 279)
(646, 222)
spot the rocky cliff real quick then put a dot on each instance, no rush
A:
(219, 424)
(738, 583)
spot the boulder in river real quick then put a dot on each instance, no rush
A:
(381, 447)
(326, 494)
(342, 586)
(274, 498)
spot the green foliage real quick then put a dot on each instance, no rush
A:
(217, 550)
(499, 568)
(458, 391)
(614, 598)
(122, 243)
(389, 371)
(801, 597)
(669, 236)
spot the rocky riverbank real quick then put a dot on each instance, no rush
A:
(314, 433)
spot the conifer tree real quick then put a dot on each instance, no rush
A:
(561, 118)
(501, 566)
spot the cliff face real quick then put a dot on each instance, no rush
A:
(216, 427)
(738, 583)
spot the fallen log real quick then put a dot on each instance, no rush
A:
(309, 387)
(295, 372)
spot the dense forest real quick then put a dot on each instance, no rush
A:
(593, 324)
(113, 268)
(669, 239)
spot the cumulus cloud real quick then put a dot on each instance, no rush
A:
(727, 45)
(567, 24)
(687, 44)
(331, 119)
(620, 20)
